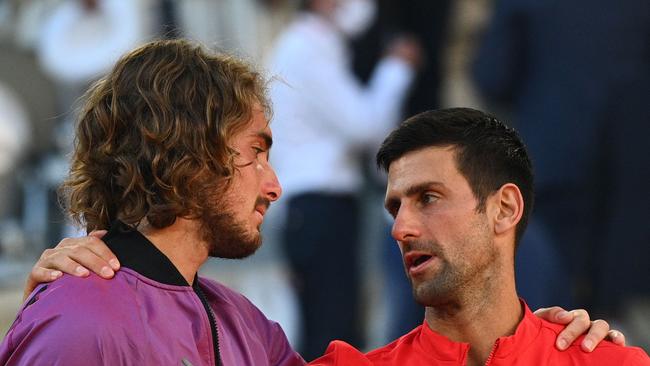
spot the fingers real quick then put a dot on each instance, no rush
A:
(598, 331)
(94, 243)
(555, 315)
(39, 275)
(74, 256)
(77, 256)
(52, 264)
(577, 322)
(98, 233)
(617, 337)
(558, 315)
(90, 251)
(67, 260)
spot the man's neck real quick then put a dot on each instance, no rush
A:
(479, 319)
(181, 243)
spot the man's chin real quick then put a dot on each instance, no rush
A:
(237, 249)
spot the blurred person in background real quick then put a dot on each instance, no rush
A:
(29, 114)
(15, 142)
(325, 119)
(82, 39)
(428, 22)
(575, 75)
(57, 49)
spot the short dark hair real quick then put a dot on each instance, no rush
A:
(488, 154)
(153, 135)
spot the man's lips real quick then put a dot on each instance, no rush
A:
(261, 210)
(261, 205)
(416, 262)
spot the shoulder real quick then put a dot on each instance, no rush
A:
(75, 297)
(398, 352)
(403, 349)
(70, 318)
(341, 353)
(605, 353)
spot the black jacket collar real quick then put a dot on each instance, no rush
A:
(135, 251)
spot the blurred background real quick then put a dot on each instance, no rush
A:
(572, 77)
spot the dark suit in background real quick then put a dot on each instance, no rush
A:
(574, 74)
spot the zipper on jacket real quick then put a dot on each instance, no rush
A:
(213, 324)
(494, 349)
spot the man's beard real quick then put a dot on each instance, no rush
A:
(442, 286)
(225, 236)
(452, 279)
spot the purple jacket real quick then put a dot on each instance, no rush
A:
(146, 315)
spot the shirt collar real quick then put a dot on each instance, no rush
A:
(442, 348)
(525, 334)
(135, 251)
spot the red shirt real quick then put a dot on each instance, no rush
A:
(532, 344)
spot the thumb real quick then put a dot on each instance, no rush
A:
(98, 233)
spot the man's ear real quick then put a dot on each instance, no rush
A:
(510, 208)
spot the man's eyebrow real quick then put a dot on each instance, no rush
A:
(268, 140)
(393, 202)
(421, 187)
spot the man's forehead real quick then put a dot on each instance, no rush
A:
(258, 126)
(264, 132)
(422, 167)
(428, 159)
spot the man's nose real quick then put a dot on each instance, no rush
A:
(271, 188)
(406, 225)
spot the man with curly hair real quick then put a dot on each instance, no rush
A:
(171, 157)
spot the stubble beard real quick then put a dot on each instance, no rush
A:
(442, 286)
(225, 235)
(459, 280)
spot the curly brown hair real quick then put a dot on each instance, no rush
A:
(153, 135)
